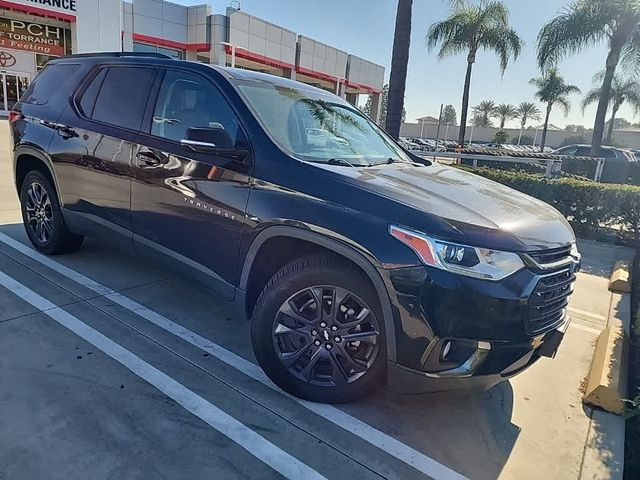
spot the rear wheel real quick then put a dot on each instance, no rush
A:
(42, 216)
(318, 332)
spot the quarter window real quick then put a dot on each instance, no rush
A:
(48, 82)
(186, 100)
(123, 96)
(88, 100)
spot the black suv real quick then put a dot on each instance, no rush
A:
(356, 262)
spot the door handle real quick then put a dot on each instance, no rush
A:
(148, 157)
(62, 129)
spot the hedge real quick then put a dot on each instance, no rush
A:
(595, 210)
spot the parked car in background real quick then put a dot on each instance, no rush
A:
(606, 152)
(357, 263)
(409, 144)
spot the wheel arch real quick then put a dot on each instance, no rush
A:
(27, 158)
(366, 262)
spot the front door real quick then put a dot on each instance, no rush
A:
(14, 84)
(189, 206)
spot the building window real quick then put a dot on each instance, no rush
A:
(41, 60)
(147, 48)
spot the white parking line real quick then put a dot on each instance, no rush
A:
(595, 331)
(256, 445)
(366, 432)
(587, 314)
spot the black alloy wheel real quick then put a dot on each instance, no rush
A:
(39, 214)
(326, 336)
(318, 332)
(42, 216)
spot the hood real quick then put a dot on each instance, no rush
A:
(468, 202)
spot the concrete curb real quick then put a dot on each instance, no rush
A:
(607, 380)
(604, 450)
(620, 280)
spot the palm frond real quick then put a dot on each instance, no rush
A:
(504, 41)
(565, 104)
(592, 96)
(582, 24)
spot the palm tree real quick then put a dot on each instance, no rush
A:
(483, 112)
(527, 111)
(470, 28)
(552, 90)
(622, 90)
(399, 62)
(505, 112)
(585, 23)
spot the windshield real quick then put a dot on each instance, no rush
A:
(319, 127)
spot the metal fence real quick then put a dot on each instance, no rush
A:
(550, 165)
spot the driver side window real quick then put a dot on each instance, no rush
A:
(186, 100)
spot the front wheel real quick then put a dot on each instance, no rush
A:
(42, 216)
(318, 333)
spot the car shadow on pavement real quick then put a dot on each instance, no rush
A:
(469, 431)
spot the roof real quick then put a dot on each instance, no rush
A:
(160, 59)
(428, 118)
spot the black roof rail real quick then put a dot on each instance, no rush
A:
(118, 54)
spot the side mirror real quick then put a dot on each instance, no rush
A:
(215, 140)
(211, 139)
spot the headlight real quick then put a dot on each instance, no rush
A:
(471, 261)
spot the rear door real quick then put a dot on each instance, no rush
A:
(93, 155)
(187, 206)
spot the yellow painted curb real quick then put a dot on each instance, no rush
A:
(620, 280)
(607, 381)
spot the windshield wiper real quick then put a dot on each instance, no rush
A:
(388, 161)
(342, 162)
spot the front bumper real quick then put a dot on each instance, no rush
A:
(501, 362)
(457, 332)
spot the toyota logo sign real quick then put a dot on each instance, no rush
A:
(7, 60)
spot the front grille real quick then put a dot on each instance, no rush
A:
(552, 255)
(548, 301)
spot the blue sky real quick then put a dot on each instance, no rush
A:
(365, 28)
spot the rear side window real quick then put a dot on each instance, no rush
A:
(48, 82)
(583, 152)
(122, 97)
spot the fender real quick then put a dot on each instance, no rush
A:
(366, 264)
(35, 151)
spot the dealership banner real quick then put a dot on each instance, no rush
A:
(32, 37)
(60, 9)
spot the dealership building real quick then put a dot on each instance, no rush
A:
(34, 31)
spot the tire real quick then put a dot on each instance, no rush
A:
(42, 216)
(291, 336)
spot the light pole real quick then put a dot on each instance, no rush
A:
(233, 47)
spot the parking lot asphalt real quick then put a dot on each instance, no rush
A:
(112, 366)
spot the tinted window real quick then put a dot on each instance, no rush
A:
(567, 151)
(123, 96)
(47, 82)
(88, 99)
(187, 100)
(583, 152)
